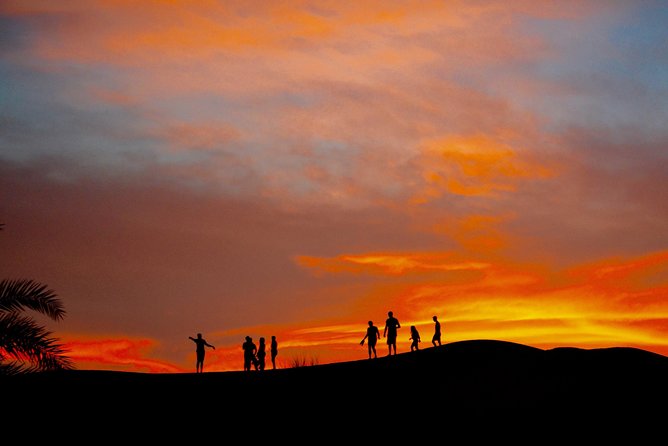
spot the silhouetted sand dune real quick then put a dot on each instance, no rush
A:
(477, 376)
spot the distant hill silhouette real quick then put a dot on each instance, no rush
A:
(476, 376)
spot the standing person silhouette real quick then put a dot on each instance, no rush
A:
(274, 351)
(199, 351)
(261, 354)
(436, 339)
(390, 332)
(372, 335)
(250, 350)
(415, 337)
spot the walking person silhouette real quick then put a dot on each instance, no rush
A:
(200, 351)
(436, 339)
(415, 337)
(261, 354)
(274, 351)
(372, 335)
(390, 332)
(250, 350)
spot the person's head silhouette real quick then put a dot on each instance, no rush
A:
(370, 323)
(199, 335)
(389, 313)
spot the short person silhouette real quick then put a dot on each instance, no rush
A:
(415, 337)
(274, 351)
(261, 354)
(199, 351)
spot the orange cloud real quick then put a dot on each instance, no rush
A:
(152, 31)
(474, 166)
(476, 233)
(650, 270)
(117, 354)
(633, 287)
(390, 263)
(129, 29)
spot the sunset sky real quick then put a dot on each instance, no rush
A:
(297, 168)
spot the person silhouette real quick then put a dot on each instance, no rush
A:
(261, 354)
(390, 332)
(415, 337)
(274, 351)
(250, 350)
(436, 339)
(371, 337)
(200, 351)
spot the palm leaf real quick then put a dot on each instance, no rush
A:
(16, 295)
(15, 368)
(30, 345)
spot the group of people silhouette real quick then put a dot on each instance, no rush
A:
(390, 333)
(255, 356)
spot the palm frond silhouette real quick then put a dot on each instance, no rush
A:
(17, 295)
(26, 346)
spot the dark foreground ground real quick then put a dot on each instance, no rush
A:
(468, 378)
